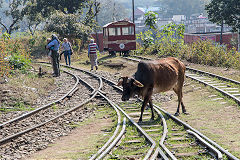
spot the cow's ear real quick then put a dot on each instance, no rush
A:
(137, 83)
(120, 81)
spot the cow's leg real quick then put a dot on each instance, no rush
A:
(145, 101)
(151, 105)
(180, 86)
(178, 90)
(179, 100)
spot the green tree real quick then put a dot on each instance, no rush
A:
(67, 25)
(33, 18)
(227, 11)
(151, 19)
(14, 12)
(93, 9)
(85, 10)
(46, 7)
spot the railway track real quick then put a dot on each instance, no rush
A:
(152, 140)
(25, 128)
(158, 133)
(106, 90)
(225, 152)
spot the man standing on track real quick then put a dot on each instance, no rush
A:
(92, 54)
(67, 49)
(54, 47)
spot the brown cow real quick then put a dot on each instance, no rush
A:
(153, 77)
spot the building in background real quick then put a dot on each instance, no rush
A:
(227, 39)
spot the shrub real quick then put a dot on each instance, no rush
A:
(20, 62)
(169, 42)
(4, 65)
(13, 55)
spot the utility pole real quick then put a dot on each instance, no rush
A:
(238, 39)
(97, 22)
(133, 11)
(114, 12)
(221, 35)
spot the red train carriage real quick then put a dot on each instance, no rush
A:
(119, 37)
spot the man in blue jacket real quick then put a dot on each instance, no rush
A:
(54, 47)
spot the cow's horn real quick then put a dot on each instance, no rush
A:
(137, 83)
(120, 81)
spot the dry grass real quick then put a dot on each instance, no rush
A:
(26, 88)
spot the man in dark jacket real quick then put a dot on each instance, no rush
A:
(54, 47)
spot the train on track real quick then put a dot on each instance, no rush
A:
(118, 36)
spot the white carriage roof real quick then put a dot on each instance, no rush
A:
(106, 25)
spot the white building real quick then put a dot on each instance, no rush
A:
(179, 18)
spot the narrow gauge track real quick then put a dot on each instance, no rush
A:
(52, 97)
(11, 131)
(158, 132)
(226, 86)
(6, 126)
(110, 145)
(154, 129)
(207, 143)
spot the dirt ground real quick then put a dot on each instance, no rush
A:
(79, 144)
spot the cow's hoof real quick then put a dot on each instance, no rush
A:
(139, 122)
(176, 114)
(151, 120)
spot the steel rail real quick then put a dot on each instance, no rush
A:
(209, 146)
(165, 131)
(7, 139)
(229, 155)
(95, 92)
(132, 121)
(214, 75)
(157, 152)
(44, 106)
(137, 126)
(107, 150)
(186, 125)
(119, 108)
(101, 150)
(237, 100)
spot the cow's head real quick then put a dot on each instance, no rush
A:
(130, 87)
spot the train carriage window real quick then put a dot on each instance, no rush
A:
(131, 30)
(111, 31)
(105, 32)
(124, 30)
(118, 31)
